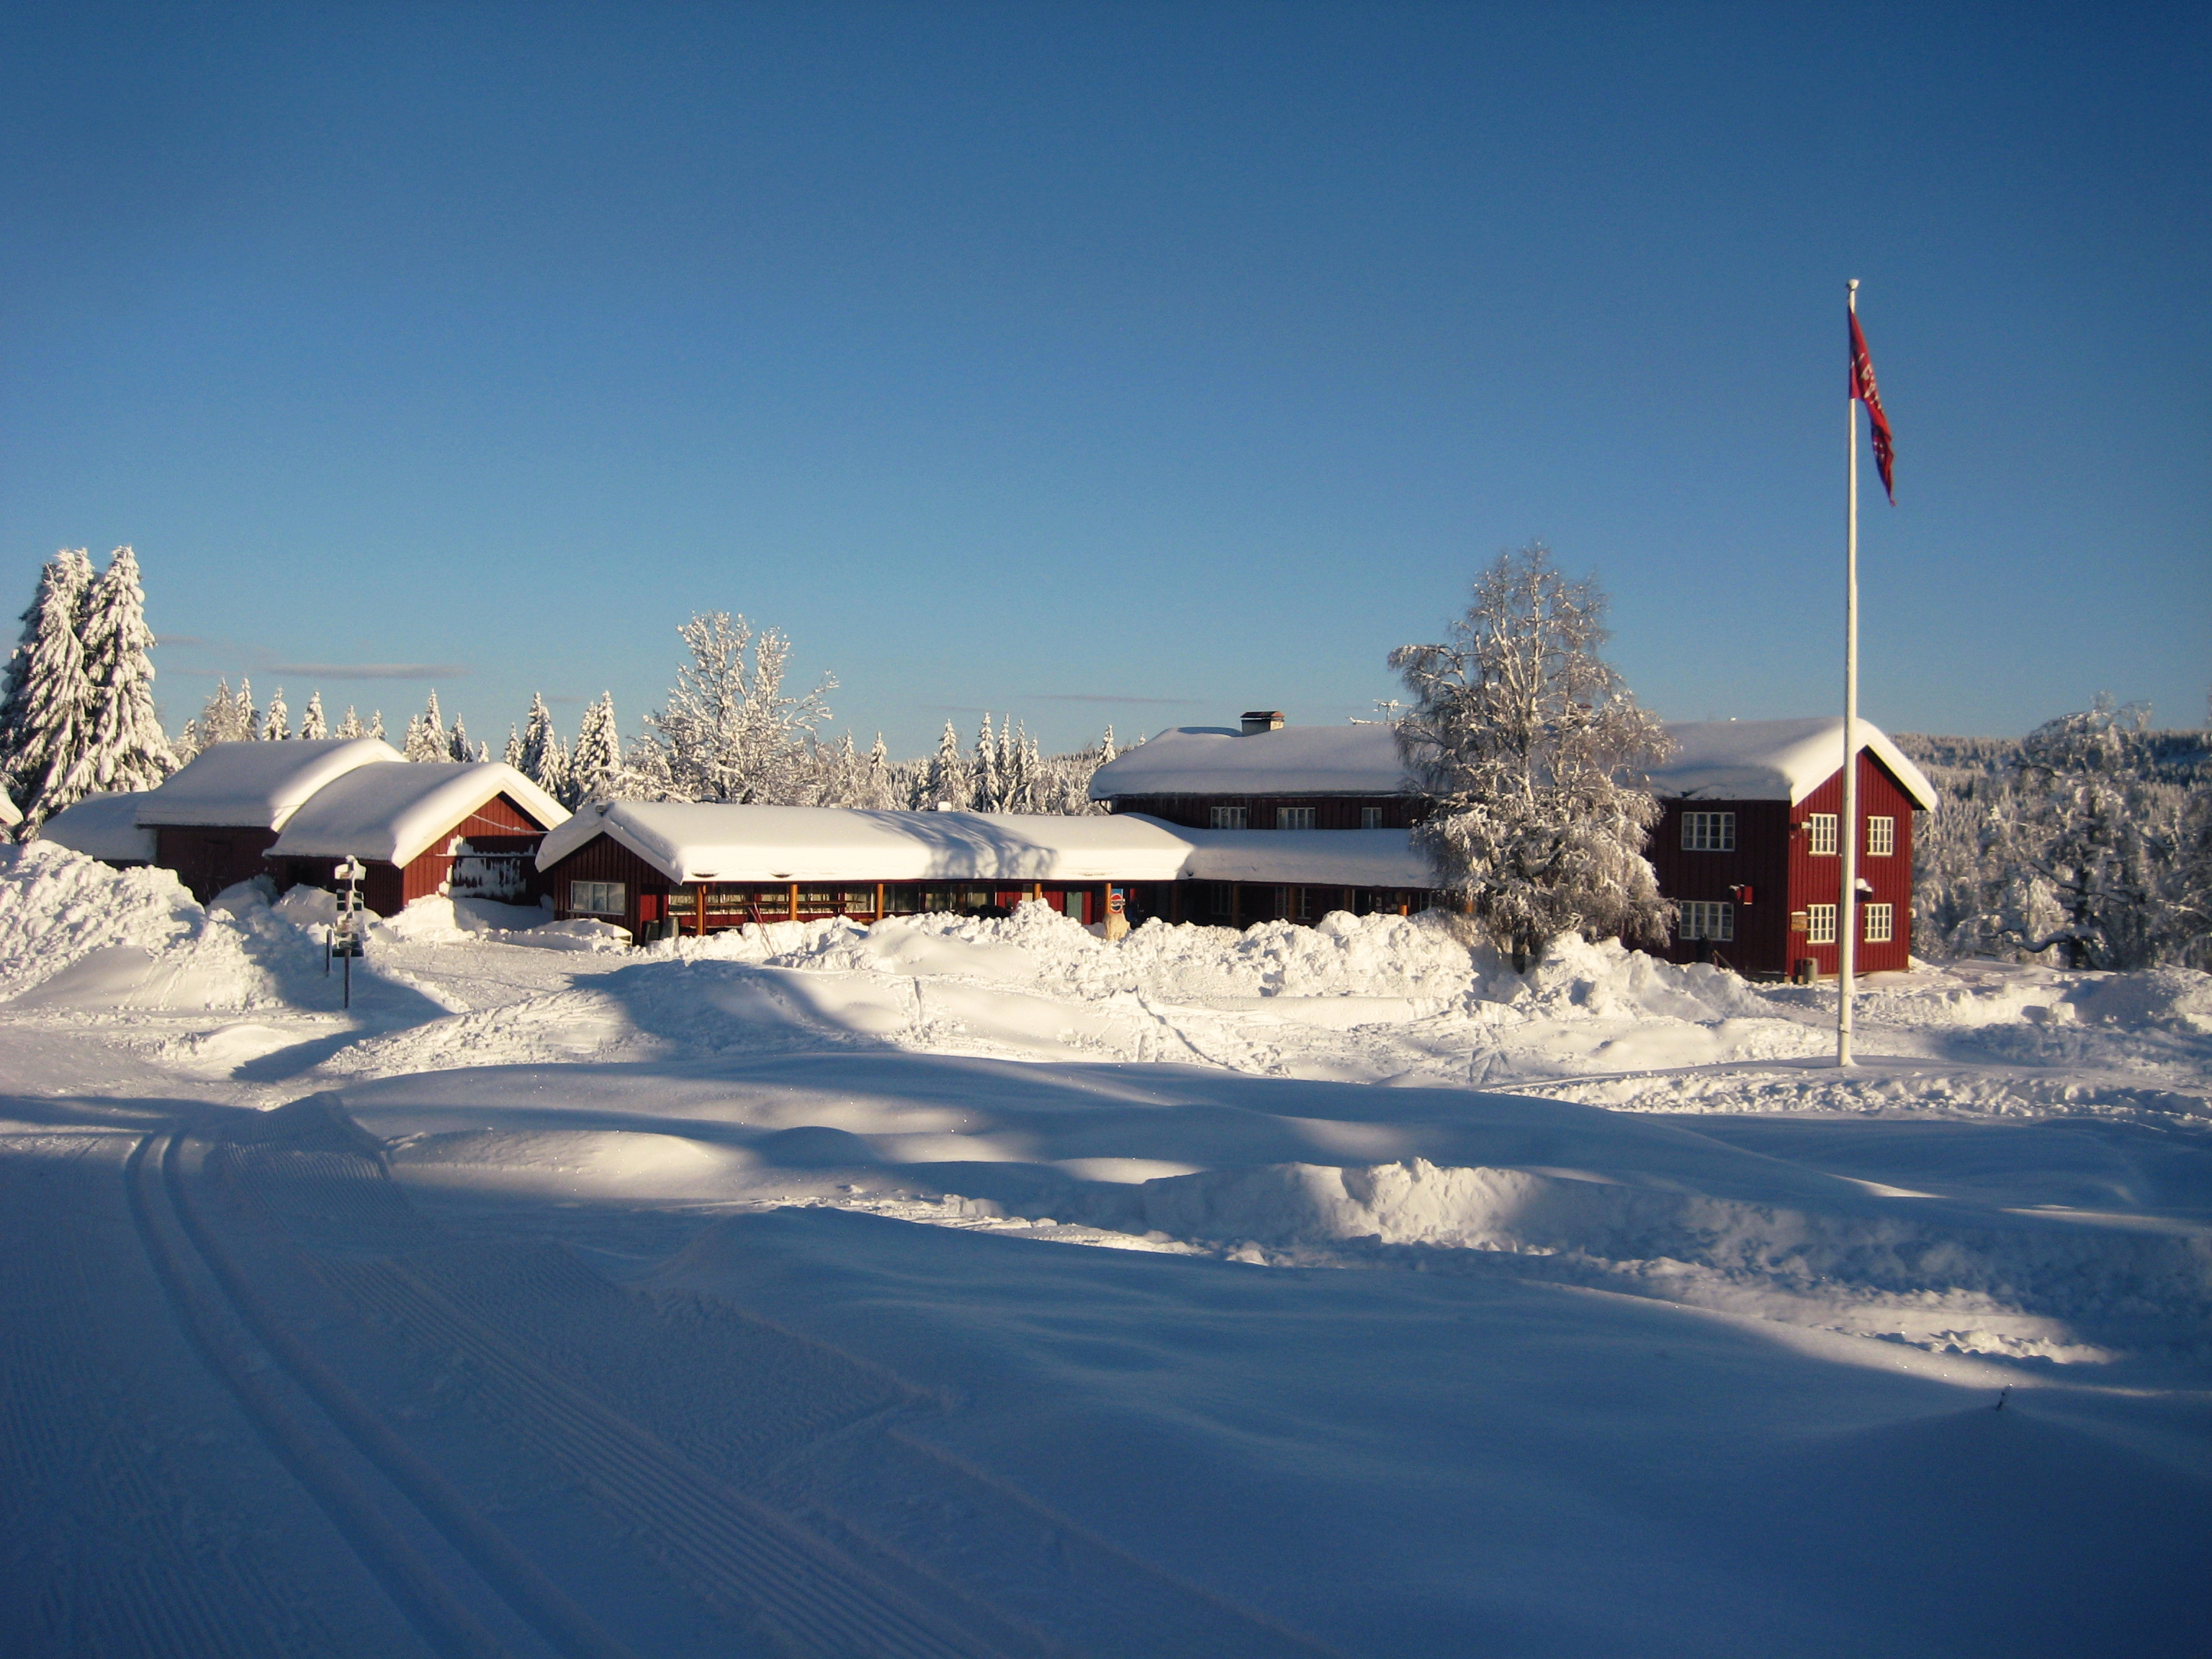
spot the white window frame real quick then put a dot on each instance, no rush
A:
(1820, 834)
(1370, 817)
(1294, 817)
(1711, 919)
(1819, 924)
(1708, 832)
(589, 898)
(1881, 838)
(1880, 924)
(1231, 817)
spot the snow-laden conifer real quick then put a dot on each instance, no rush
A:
(375, 724)
(350, 726)
(512, 755)
(426, 732)
(945, 780)
(314, 724)
(50, 760)
(543, 761)
(130, 749)
(983, 770)
(595, 764)
(1522, 742)
(879, 788)
(276, 720)
(458, 746)
(729, 731)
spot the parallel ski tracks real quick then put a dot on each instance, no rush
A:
(745, 1559)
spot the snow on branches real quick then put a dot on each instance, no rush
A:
(729, 731)
(1519, 741)
(77, 711)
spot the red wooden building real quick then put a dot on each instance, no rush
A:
(214, 820)
(1749, 845)
(423, 829)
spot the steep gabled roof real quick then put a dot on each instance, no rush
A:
(1774, 760)
(256, 786)
(397, 813)
(1292, 760)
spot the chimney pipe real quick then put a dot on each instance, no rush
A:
(1262, 719)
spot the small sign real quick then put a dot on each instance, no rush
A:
(352, 870)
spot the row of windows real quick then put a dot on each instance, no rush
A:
(1704, 919)
(1288, 817)
(1715, 832)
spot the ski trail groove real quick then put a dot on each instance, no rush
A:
(430, 1605)
(533, 1596)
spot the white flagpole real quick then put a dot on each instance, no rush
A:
(1847, 830)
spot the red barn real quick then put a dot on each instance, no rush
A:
(423, 829)
(1749, 844)
(214, 820)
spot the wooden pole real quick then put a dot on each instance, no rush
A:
(794, 901)
(699, 909)
(879, 901)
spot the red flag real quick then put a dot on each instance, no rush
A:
(1862, 389)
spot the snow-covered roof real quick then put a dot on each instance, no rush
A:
(1774, 760)
(256, 785)
(689, 840)
(698, 841)
(104, 827)
(396, 813)
(1315, 857)
(1293, 760)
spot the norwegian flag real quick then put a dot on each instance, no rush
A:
(1863, 388)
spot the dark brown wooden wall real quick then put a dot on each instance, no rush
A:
(210, 858)
(1761, 862)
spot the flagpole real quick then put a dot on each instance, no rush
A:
(1847, 831)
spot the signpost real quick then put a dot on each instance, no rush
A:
(344, 940)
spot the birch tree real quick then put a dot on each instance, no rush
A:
(1521, 742)
(729, 731)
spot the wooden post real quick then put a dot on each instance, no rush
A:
(879, 901)
(699, 908)
(1236, 905)
(794, 901)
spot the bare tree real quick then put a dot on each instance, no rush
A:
(1522, 742)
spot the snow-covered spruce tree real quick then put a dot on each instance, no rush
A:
(984, 789)
(426, 733)
(512, 755)
(458, 746)
(314, 724)
(729, 733)
(130, 749)
(276, 720)
(946, 779)
(350, 726)
(45, 748)
(595, 764)
(1519, 743)
(877, 786)
(543, 761)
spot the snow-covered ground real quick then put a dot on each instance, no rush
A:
(1401, 1305)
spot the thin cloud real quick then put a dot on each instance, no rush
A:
(371, 671)
(1162, 702)
(188, 641)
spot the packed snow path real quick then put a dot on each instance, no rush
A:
(573, 1301)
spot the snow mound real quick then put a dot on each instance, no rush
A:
(2175, 999)
(78, 934)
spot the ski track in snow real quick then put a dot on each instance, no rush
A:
(2015, 1189)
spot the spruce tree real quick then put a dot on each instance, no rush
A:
(513, 753)
(945, 780)
(67, 569)
(350, 725)
(313, 726)
(426, 733)
(375, 724)
(50, 762)
(458, 746)
(543, 761)
(130, 749)
(276, 720)
(595, 764)
(243, 724)
(984, 779)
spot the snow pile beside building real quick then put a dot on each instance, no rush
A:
(78, 934)
(1424, 958)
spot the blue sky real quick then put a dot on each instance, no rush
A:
(1120, 363)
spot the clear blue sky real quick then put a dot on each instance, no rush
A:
(1060, 358)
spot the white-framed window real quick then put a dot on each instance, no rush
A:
(1881, 837)
(1820, 830)
(1820, 922)
(1708, 832)
(1294, 817)
(597, 898)
(1370, 817)
(1705, 918)
(1229, 817)
(1880, 923)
